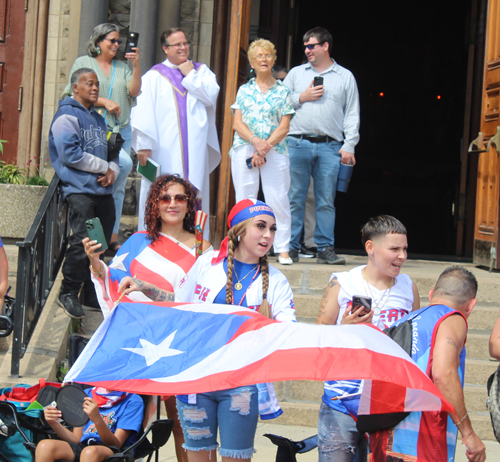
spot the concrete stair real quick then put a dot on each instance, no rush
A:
(301, 399)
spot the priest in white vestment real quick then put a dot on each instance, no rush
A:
(174, 120)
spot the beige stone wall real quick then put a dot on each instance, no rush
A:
(57, 65)
(196, 21)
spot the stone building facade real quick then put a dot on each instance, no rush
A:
(70, 23)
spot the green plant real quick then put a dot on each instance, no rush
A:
(37, 181)
(12, 174)
(1, 145)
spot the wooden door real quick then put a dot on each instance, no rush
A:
(230, 42)
(12, 26)
(486, 232)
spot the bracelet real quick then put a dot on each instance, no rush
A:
(97, 273)
(251, 138)
(462, 419)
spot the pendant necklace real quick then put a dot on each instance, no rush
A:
(245, 294)
(238, 285)
(377, 305)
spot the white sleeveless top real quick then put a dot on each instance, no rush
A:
(399, 303)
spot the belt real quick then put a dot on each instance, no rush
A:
(315, 139)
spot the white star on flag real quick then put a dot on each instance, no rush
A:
(153, 353)
(117, 262)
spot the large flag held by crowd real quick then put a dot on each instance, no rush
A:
(193, 348)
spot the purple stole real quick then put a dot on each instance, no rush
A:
(175, 77)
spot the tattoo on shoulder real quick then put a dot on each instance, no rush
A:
(450, 341)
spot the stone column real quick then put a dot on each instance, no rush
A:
(93, 13)
(144, 20)
(169, 15)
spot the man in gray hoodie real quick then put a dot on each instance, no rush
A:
(79, 153)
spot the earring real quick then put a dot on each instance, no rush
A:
(98, 50)
(239, 238)
(371, 254)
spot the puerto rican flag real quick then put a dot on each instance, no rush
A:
(193, 348)
(164, 263)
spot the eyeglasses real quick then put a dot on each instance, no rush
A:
(260, 57)
(311, 46)
(180, 45)
(178, 198)
(113, 41)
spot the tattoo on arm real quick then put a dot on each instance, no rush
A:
(140, 284)
(450, 341)
(159, 295)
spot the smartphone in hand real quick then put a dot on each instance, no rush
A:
(318, 80)
(361, 300)
(96, 233)
(132, 42)
(249, 162)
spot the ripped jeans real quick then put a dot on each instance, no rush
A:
(235, 412)
(338, 438)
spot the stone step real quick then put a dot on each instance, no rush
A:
(477, 371)
(310, 278)
(306, 414)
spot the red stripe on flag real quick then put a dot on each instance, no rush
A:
(175, 254)
(322, 364)
(143, 273)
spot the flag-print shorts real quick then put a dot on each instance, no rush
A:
(234, 412)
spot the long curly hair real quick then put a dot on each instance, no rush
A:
(233, 234)
(152, 215)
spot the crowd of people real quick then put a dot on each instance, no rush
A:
(286, 132)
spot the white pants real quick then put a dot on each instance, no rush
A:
(275, 175)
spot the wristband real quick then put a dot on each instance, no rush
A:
(251, 138)
(462, 419)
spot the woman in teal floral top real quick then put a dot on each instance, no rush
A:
(262, 114)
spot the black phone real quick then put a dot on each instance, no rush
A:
(361, 300)
(317, 81)
(132, 42)
(96, 233)
(249, 162)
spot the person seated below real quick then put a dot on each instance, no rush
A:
(115, 420)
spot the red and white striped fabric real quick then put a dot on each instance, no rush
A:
(163, 263)
(195, 348)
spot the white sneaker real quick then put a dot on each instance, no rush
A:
(285, 261)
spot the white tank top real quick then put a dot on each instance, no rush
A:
(399, 303)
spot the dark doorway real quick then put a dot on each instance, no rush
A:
(410, 63)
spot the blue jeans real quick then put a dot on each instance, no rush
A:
(234, 411)
(125, 168)
(322, 161)
(338, 438)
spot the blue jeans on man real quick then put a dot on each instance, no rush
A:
(338, 437)
(322, 161)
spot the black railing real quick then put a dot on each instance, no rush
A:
(40, 257)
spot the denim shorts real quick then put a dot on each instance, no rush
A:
(234, 412)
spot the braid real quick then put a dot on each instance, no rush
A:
(264, 308)
(230, 260)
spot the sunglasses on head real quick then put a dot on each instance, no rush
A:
(178, 198)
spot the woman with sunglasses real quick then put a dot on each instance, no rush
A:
(162, 255)
(262, 114)
(238, 274)
(118, 89)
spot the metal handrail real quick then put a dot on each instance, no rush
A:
(40, 257)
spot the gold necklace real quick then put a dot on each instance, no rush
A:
(238, 285)
(377, 305)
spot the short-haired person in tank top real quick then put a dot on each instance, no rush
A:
(393, 295)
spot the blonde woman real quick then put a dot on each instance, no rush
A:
(262, 114)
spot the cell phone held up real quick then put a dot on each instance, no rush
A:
(361, 300)
(317, 81)
(249, 162)
(132, 42)
(96, 233)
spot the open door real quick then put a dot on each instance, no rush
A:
(231, 28)
(486, 232)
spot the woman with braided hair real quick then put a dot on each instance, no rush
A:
(238, 274)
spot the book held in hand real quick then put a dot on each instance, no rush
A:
(151, 171)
